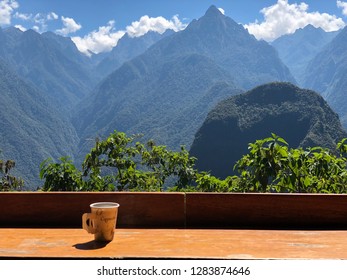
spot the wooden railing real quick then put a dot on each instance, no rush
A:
(178, 210)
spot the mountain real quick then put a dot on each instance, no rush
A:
(141, 97)
(249, 61)
(300, 116)
(297, 49)
(128, 48)
(49, 61)
(176, 77)
(32, 130)
(327, 74)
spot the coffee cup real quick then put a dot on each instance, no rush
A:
(101, 221)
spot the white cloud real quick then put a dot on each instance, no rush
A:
(24, 17)
(70, 26)
(221, 10)
(20, 27)
(106, 37)
(42, 19)
(284, 18)
(36, 28)
(52, 16)
(343, 6)
(6, 9)
(158, 24)
(102, 40)
(39, 20)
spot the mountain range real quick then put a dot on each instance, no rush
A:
(155, 92)
(298, 49)
(56, 100)
(50, 62)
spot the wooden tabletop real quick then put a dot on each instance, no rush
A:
(174, 244)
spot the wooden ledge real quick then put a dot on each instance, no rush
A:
(173, 244)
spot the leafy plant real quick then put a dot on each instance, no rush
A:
(271, 166)
(121, 163)
(60, 176)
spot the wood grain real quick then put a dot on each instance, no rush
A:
(174, 244)
(65, 209)
(254, 210)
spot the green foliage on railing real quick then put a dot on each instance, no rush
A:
(271, 166)
(121, 163)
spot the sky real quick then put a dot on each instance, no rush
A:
(97, 25)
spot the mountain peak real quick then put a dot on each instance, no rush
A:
(312, 28)
(12, 29)
(215, 20)
(213, 11)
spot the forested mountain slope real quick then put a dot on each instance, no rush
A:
(300, 116)
(31, 128)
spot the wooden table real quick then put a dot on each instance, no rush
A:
(174, 244)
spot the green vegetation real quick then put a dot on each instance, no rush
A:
(121, 163)
(300, 116)
(271, 166)
(8, 182)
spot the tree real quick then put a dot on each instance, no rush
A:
(9, 182)
(61, 176)
(122, 163)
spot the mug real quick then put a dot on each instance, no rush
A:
(101, 221)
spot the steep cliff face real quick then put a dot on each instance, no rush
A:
(302, 117)
(326, 74)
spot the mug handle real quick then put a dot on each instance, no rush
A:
(87, 222)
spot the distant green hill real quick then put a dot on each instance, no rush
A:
(300, 116)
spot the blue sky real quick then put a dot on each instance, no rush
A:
(97, 25)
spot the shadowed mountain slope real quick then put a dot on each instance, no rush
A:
(301, 117)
